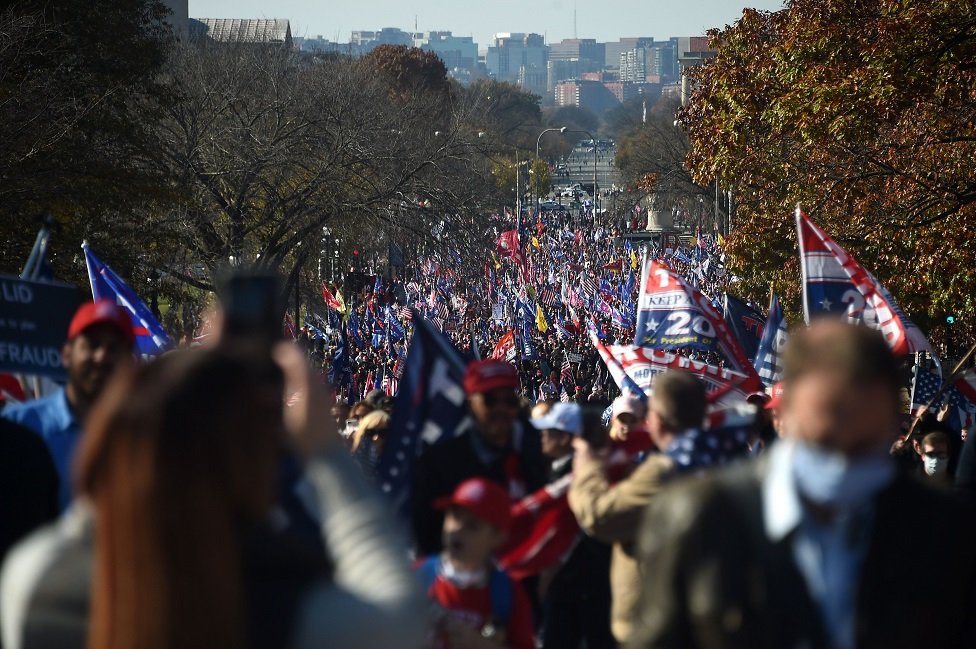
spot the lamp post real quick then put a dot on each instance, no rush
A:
(593, 140)
(538, 141)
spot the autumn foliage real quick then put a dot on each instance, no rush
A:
(863, 111)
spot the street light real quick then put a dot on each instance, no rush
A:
(538, 141)
(593, 140)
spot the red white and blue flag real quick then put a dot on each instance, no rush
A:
(671, 313)
(151, 338)
(834, 283)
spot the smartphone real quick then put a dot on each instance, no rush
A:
(253, 308)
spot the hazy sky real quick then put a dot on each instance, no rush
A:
(605, 20)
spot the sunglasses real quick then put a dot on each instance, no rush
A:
(495, 400)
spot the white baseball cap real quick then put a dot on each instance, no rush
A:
(567, 417)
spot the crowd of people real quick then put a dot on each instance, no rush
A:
(228, 495)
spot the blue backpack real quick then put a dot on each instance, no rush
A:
(499, 588)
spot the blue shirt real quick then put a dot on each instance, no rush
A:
(52, 419)
(829, 556)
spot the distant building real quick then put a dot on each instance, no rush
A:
(249, 31)
(653, 59)
(561, 70)
(386, 36)
(593, 96)
(457, 52)
(692, 51)
(589, 54)
(613, 50)
(512, 52)
(626, 90)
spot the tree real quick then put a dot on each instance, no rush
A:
(862, 111)
(71, 142)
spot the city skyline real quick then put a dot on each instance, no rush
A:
(551, 18)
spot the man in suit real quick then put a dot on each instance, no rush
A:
(808, 547)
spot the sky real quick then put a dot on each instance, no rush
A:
(606, 21)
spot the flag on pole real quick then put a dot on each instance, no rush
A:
(674, 314)
(151, 338)
(771, 345)
(540, 319)
(428, 407)
(834, 283)
(745, 322)
(330, 299)
(340, 375)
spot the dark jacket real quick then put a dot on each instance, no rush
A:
(443, 467)
(713, 579)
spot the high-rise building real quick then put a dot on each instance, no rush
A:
(593, 96)
(512, 52)
(613, 50)
(561, 71)
(457, 52)
(691, 51)
(386, 36)
(586, 51)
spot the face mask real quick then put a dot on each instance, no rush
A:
(935, 465)
(831, 478)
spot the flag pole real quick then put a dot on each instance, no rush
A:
(945, 386)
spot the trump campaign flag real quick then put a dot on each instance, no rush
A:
(151, 338)
(641, 365)
(429, 406)
(745, 322)
(834, 283)
(767, 362)
(671, 314)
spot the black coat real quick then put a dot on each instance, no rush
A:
(443, 467)
(715, 580)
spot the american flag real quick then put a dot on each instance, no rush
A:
(566, 372)
(548, 296)
(405, 313)
(926, 384)
(563, 395)
(587, 285)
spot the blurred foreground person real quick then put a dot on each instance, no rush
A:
(169, 543)
(100, 338)
(802, 548)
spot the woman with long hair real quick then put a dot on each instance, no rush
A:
(171, 532)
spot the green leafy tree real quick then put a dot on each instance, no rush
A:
(863, 112)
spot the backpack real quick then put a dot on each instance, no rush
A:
(500, 589)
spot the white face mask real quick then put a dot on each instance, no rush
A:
(935, 465)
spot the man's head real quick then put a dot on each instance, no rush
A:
(100, 338)
(626, 414)
(490, 386)
(558, 427)
(935, 453)
(678, 404)
(541, 409)
(840, 388)
(340, 412)
(476, 522)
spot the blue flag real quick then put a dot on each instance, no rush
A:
(354, 328)
(429, 407)
(393, 326)
(773, 340)
(341, 372)
(151, 338)
(526, 344)
(745, 322)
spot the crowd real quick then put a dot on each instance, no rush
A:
(230, 495)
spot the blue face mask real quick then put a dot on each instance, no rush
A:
(831, 478)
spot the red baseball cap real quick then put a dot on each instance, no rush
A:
(107, 311)
(489, 374)
(486, 500)
(777, 397)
